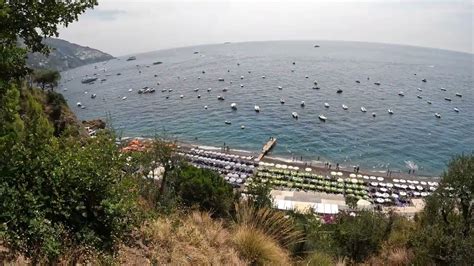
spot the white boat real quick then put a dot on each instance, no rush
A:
(443, 89)
(345, 107)
(363, 109)
(458, 94)
(315, 82)
(205, 107)
(199, 77)
(456, 110)
(227, 122)
(181, 96)
(209, 89)
(302, 104)
(419, 89)
(199, 96)
(163, 90)
(221, 98)
(130, 90)
(241, 77)
(233, 106)
(390, 111)
(196, 89)
(282, 101)
(438, 115)
(294, 115)
(263, 77)
(256, 108)
(322, 118)
(242, 126)
(280, 87)
(326, 105)
(241, 85)
(79, 104)
(374, 114)
(124, 97)
(401, 93)
(170, 90)
(447, 99)
(306, 77)
(419, 96)
(220, 79)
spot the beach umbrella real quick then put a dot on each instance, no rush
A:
(271, 164)
(419, 187)
(432, 188)
(385, 195)
(366, 177)
(396, 180)
(412, 187)
(339, 173)
(374, 184)
(359, 175)
(382, 184)
(404, 186)
(355, 181)
(379, 200)
(226, 178)
(372, 177)
(362, 203)
(352, 175)
(239, 180)
(232, 180)
(402, 193)
(383, 189)
(308, 169)
(340, 180)
(284, 166)
(395, 196)
(424, 194)
(416, 182)
(333, 173)
(379, 178)
(227, 167)
(389, 185)
(416, 193)
(278, 166)
(403, 181)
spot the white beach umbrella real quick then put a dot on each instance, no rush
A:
(402, 193)
(363, 202)
(416, 193)
(383, 189)
(419, 187)
(366, 177)
(403, 181)
(395, 196)
(227, 167)
(278, 166)
(396, 180)
(232, 180)
(296, 168)
(271, 164)
(389, 185)
(432, 188)
(379, 178)
(333, 173)
(385, 195)
(239, 180)
(374, 184)
(352, 175)
(424, 194)
(307, 169)
(372, 177)
(284, 166)
(355, 181)
(382, 184)
(404, 186)
(412, 187)
(359, 175)
(339, 173)
(416, 182)
(226, 178)
(379, 200)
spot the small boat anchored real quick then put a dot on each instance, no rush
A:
(322, 118)
(363, 109)
(390, 111)
(339, 91)
(326, 105)
(401, 93)
(302, 104)
(256, 108)
(282, 101)
(438, 115)
(345, 107)
(233, 106)
(458, 94)
(294, 115)
(456, 110)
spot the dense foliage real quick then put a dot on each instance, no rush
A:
(46, 78)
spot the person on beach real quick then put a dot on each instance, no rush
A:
(337, 166)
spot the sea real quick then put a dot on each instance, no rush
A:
(410, 138)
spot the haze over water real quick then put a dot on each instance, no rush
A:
(349, 137)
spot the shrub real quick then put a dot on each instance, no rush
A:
(318, 259)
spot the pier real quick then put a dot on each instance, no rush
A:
(267, 147)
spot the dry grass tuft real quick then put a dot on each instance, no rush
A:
(272, 223)
(392, 257)
(194, 239)
(257, 248)
(319, 259)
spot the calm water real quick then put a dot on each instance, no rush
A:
(349, 137)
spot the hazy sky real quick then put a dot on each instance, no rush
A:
(125, 27)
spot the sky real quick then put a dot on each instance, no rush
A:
(123, 27)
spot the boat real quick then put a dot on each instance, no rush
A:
(345, 107)
(227, 122)
(196, 89)
(316, 46)
(88, 80)
(458, 94)
(443, 89)
(419, 96)
(170, 90)
(241, 85)
(357, 81)
(79, 104)
(205, 107)
(438, 115)
(280, 87)
(322, 118)
(401, 93)
(429, 102)
(306, 77)
(209, 89)
(233, 106)
(326, 105)
(339, 91)
(242, 127)
(374, 114)
(363, 109)
(282, 101)
(131, 58)
(220, 98)
(220, 79)
(424, 80)
(93, 96)
(241, 77)
(140, 91)
(447, 99)
(294, 115)
(315, 82)
(163, 90)
(315, 88)
(181, 96)
(256, 108)
(151, 90)
(157, 63)
(419, 89)
(390, 111)
(224, 89)
(302, 104)
(199, 96)
(196, 52)
(124, 97)
(377, 83)
(130, 90)
(456, 110)
(263, 77)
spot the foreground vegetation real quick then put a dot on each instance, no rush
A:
(67, 198)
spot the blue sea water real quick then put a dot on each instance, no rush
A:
(348, 137)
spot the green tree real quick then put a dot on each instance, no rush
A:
(259, 195)
(444, 234)
(205, 188)
(47, 78)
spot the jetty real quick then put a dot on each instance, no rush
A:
(267, 147)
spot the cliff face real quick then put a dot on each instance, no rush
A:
(65, 55)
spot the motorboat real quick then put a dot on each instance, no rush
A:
(339, 91)
(357, 81)
(140, 91)
(220, 98)
(130, 90)
(131, 58)
(377, 83)
(282, 101)
(315, 82)
(256, 108)
(124, 97)
(280, 87)
(199, 96)
(306, 77)
(93, 96)
(322, 118)
(419, 89)
(151, 90)
(401, 93)
(220, 79)
(241, 85)
(242, 127)
(438, 115)
(88, 80)
(363, 109)
(447, 99)
(196, 89)
(456, 110)
(170, 90)
(163, 90)
(224, 89)
(205, 107)
(79, 104)
(302, 104)
(199, 77)
(233, 106)
(458, 94)
(326, 105)
(294, 115)
(227, 122)
(181, 96)
(374, 114)
(263, 77)
(419, 97)
(316, 88)
(443, 89)
(345, 107)
(241, 77)
(209, 89)
(390, 111)
(424, 80)
(429, 102)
